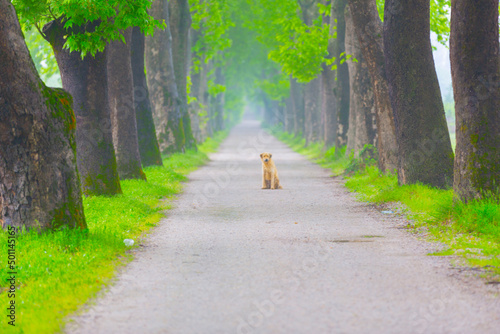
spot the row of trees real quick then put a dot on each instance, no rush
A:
(383, 89)
(125, 71)
(144, 78)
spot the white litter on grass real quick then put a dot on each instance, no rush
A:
(128, 242)
(387, 212)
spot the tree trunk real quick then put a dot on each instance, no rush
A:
(297, 94)
(475, 69)
(121, 102)
(162, 85)
(195, 106)
(329, 105)
(86, 80)
(288, 118)
(312, 101)
(368, 28)
(425, 153)
(342, 73)
(362, 109)
(180, 22)
(219, 101)
(39, 182)
(146, 132)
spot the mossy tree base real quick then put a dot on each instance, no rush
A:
(39, 181)
(86, 80)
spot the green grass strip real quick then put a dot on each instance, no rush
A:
(471, 231)
(57, 272)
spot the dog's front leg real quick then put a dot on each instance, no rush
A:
(264, 184)
(272, 181)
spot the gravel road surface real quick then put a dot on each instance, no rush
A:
(233, 258)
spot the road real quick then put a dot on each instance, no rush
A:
(233, 258)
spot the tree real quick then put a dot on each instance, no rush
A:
(341, 88)
(329, 101)
(162, 85)
(362, 108)
(475, 65)
(39, 182)
(368, 28)
(146, 132)
(180, 22)
(122, 105)
(79, 31)
(425, 153)
(86, 80)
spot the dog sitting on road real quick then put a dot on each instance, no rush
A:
(270, 178)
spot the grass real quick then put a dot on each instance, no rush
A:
(469, 231)
(59, 271)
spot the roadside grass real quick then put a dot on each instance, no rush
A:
(470, 231)
(59, 271)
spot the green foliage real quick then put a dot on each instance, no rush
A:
(212, 20)
(112, 16)
(299, 49)
(43, 56)
(58, 271)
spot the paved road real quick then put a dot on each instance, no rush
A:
(232, 258)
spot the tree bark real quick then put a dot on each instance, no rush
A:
(329, 105)
(121, 102)
(297, 94)
(86, 80)
(146, 132)
(180, 22)
(368, 28)
(195, 106)
(39, 182)
(219, 102)
(342, 73)
(425, 153)
(162, 85)
(362, 108)
(475, 69)
(312, 101)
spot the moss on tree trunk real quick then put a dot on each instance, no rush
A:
(475, 69)
(122, 105)
(86, 80)
(39, 182)
(146, 132)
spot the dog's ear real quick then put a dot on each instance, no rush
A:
(261, 155)
(270, 155)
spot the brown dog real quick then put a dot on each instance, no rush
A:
(270, 178)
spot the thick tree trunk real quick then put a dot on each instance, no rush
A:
(194, 107)
(39, 181)
(146, 132)
(86, 80)
(475, 69)
(369, 28)
(362, 109)
(219, 102)
(297, 94)
(180, 22)
(312, 101)
(329, 105)
(342, 83)
(121, 102)
(162, 85)
(425, 153)
(288, 117)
